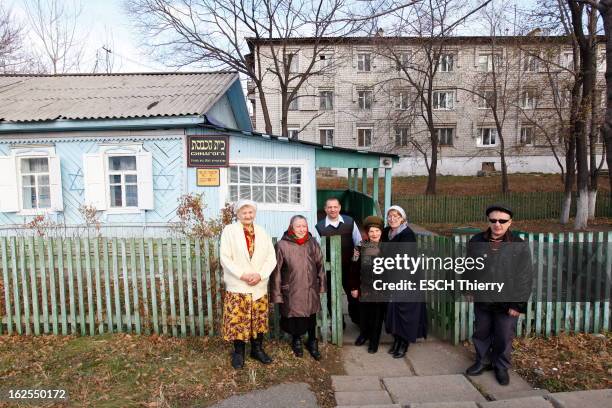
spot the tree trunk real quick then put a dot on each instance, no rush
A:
(433, 168)
(592, 203)
(606, 13)
(505, 188)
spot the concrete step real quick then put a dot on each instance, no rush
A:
(438, 358)
(370, 406)
(457, 404)
(582, 399)
(531, 402)
(436, 388)
(362, 398)
(506, 395)
(488, 385)
(356, 383)
(357, 361)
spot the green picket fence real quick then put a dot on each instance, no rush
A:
(93, 286)
(575, 261)
(456, 209)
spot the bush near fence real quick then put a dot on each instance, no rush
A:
(459, 209)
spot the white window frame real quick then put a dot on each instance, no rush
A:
(567, 60)
(481, 132)
(522, 138)
(529, 98)
(601, 60)
(449, 98)
(294, 105)
(364, 128)
(364, 61)
(489, 61)
(362, 100)
(483, 103)
(20, 174)
(325, 60)
(326, 130)
(401, 134)
(439, 133)
(530, 62)
(294, 67)
(276, 207)
(443, 62)
(403, 60)
(403, 98)
(323, 100)
(123, 184)
(291, 129)
(119, 150)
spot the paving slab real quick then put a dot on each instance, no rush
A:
(582, 399)
(455, 404)
(362, 398)
(351, 331)
(356, 383)
(437, 388)
(530, 402)
(357, 361)
(488, 385)
(370, 406)
(504, 395)
(273, 397)
(438, 358)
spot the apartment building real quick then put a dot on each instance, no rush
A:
(367, 93)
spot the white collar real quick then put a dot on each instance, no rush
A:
(334, 223)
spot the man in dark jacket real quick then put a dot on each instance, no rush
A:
(508, 260)
(343, 225)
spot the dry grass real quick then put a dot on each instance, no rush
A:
(565, 362)
(152, 371)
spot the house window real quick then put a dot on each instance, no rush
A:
(528, 99)
(363, 62)
(365, 99)
(403, 60)
(292, 133)
(445, 63)
(488, 62)
(487, 137)
(122, 181)
(445, 136)
(402, 100)
(530, 62)
(266, 183)
(35, 185)
(443, 100)
(486, 99)
(364, 137)
(326, 136)
(401, 136)
(326, 100)
(526, 136)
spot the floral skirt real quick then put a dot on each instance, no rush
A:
(243, 318)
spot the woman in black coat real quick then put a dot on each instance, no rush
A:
(406, 321)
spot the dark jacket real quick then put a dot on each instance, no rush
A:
(298, 278)
(361, 268)
(510, 264)
(407, 235)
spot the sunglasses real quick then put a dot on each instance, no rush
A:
(493, 221)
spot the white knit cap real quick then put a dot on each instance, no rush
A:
(399, 209)
(242, 202)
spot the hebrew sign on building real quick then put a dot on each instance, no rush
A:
(208, 151)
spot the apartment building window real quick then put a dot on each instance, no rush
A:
(601, 61)
(293, 60)
(567, 60)
(486, 99)
(530, 62)
(325, 61)
(403, 60)
(363, 62)
(486, 62)
(446, 63)
(294, 103)
(326, 136)
(445, 136)
(293, 132)
(487, 137)
(326, 100)
(401, 136)
(443, 100)
(529, 99)
(364, 137)
(402, 101)
(35, 184)
(364, 97)
(526, 137)
(269, 183)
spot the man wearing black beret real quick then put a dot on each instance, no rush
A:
(507, 259)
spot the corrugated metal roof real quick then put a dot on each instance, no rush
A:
(26, 98)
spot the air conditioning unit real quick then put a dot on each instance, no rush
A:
(386, 162)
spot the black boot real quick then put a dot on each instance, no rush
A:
(238, 354)
(402, 348)
(396, 342)
(360, 340)
(477, 368)
(312, 345)
(296, 346)
(257, 351)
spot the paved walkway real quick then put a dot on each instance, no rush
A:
(431, 376)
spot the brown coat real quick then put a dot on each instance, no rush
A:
(299, 277)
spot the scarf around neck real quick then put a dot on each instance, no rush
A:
(293, 237)
(394, 232)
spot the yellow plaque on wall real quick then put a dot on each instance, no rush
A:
(207, 177)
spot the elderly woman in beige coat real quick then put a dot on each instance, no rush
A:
(248, 258)
(296, 283)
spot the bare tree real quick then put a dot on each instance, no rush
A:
(12, 56)
(55, 26)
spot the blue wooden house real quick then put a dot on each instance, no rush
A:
(121, 144)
